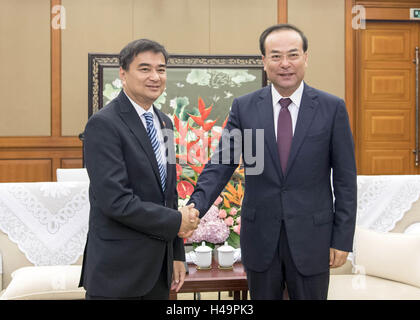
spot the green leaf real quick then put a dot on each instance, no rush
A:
(234, 240)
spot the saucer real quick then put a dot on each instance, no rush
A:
(203, 268)
(225, 268)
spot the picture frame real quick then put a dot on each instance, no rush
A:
(217, 79)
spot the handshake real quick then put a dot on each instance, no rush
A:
(189, 221)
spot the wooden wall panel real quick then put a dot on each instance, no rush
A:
(25, 170)
(323, 24)
(388, 125)
(92, 26)
(387, 162)
(71, 163)
(388, 87)
(186, 27)
(30, 164)
(25, 68)
(236, 25)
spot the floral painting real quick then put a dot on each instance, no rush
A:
(184, 85)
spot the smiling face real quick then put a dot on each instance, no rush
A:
(145, 79)
(284, 61)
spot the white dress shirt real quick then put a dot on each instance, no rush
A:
(296, 98)
(140, 112)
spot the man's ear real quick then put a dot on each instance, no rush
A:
(263, 60)
(122, 75)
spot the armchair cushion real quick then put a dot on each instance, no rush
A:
(44, 283)
(393, 256)
(362, 287)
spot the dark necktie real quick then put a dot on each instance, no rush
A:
(284, 132)
(151, 131)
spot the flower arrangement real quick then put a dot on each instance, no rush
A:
(196, 140)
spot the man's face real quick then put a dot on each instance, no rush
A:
(284, 61)
(145, 79)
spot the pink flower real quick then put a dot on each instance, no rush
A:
(229, 221)
(237, 229)
(222, 214)
(218, 201)
(238, 220)
(233, 211)
(211, 228)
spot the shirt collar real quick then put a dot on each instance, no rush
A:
(296, 96)
(139, 109)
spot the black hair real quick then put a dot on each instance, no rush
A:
(131, 50)
(284, 26)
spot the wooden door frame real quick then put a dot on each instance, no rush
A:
(375, 10)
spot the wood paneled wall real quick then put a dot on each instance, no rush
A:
(36, 158)
(39, 133)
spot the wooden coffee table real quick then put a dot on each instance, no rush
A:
(215, 279)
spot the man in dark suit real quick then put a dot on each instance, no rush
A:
(134, 248)
(293, 227)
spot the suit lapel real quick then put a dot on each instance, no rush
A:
(134, 123)
(305, 116)
(266, 117)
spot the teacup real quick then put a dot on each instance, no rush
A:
(202, 257)
(226, 256)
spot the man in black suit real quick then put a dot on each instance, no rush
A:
(294, 227)
(134, 248)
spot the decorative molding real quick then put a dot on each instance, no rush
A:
(216, 61)
(39, 142)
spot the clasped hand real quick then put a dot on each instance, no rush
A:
(189, 221)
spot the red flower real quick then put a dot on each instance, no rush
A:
(204, 113)
(184, 189)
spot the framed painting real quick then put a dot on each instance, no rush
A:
(216, 79)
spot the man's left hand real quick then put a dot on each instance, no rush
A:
(337, 258)
(178, 276)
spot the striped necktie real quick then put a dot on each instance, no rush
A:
(151, 131)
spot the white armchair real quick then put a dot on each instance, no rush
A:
(65, 175)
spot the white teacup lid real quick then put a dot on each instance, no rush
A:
(226, 248)
(203, 248)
